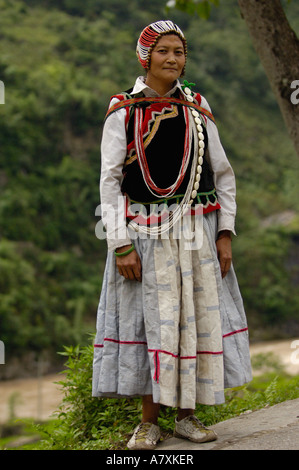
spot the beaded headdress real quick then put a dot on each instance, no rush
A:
(150, 36)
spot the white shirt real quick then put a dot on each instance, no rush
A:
(114, 152)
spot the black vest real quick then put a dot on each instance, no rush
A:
(164, 150)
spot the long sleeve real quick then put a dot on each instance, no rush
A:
(224, 178)
(113, 153)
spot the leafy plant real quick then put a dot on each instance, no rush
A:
(84, 422)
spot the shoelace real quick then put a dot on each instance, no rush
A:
(142, 430)
(194, 421)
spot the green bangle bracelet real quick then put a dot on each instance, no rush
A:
(124, 253)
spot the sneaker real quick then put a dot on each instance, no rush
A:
(145, 437)
(191, 428)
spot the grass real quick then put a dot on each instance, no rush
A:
(86, 423)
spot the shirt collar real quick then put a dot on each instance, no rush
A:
(140, 86)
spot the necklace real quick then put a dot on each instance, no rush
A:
(152, 187)
(194, 131)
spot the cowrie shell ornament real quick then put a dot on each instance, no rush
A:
(201, 145)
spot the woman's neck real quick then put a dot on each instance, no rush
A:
(159, 87)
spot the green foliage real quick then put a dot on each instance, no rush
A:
(200, 7)
(13, 432)
(60, 62)
(46, 296)
(86, 423)
(268, 291)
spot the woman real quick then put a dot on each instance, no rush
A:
(171, 325)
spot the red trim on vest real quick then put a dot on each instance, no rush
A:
(126, 103)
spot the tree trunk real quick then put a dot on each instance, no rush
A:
(278, 49)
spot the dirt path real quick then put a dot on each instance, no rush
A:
(38, 399)
(30, 398)
(286, 351)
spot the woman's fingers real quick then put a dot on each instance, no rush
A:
(129, 266)
(224, 251)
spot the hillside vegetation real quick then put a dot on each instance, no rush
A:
(60, 62)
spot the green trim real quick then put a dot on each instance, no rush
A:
(177, 197)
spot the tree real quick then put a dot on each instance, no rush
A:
(277, 47)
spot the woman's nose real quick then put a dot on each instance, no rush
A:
(171, 59)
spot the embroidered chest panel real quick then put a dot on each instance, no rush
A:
(163, 130)
(155, 127)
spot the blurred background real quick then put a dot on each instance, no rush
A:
(60, 62)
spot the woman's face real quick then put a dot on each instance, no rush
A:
(167, 60)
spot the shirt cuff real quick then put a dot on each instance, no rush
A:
(114, 244)
(226, 222)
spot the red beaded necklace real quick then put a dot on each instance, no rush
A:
(141, 157)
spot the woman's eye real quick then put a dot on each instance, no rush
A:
(164, 51)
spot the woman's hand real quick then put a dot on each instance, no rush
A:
(129, 265)
(224, 251)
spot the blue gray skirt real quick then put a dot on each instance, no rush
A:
(181, 334)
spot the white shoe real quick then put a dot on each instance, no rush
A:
(191, 428)
(145, 437)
